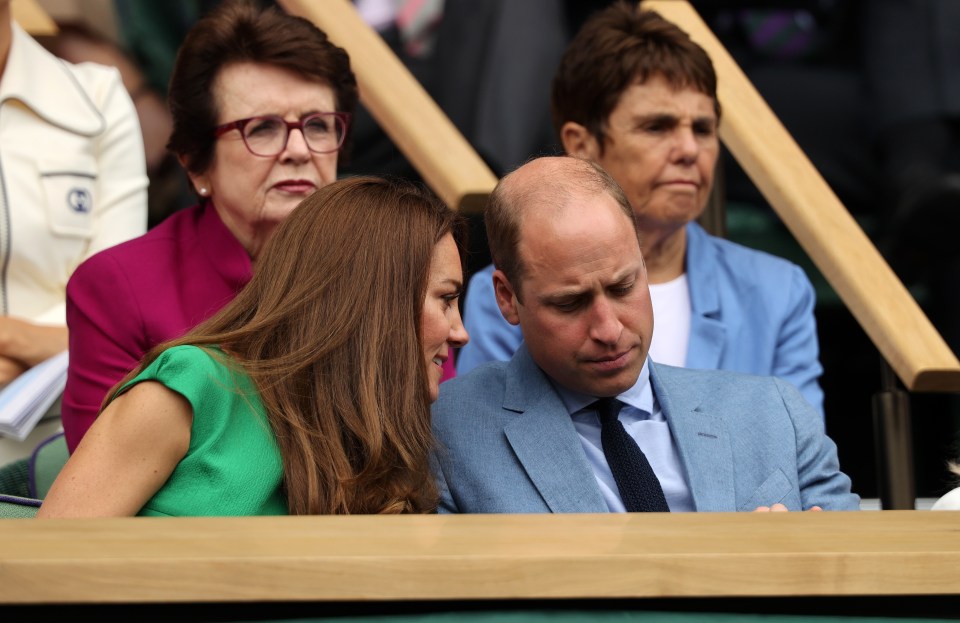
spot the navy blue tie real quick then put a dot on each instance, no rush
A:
(639, 487)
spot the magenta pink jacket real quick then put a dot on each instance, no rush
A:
(127, 299)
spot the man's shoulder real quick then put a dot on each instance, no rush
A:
(710, 377)
(724, 389)
(485, 381)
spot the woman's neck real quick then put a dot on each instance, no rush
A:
(664, 253)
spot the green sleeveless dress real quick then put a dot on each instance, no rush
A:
(233, 465)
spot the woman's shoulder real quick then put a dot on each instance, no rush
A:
(205, 375)
(148, 256)
(190, 359)
(738, 255)
(740, 267)
(189, 369)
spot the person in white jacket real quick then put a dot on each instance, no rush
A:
(72, 182)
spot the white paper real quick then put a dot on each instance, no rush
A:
(24, 401)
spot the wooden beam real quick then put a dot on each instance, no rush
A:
(820, 223)
(390, 558)
(33, 18)
(405, 111)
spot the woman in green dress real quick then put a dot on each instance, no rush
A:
(310, 393)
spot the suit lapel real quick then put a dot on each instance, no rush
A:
(708, 335)
(545, 441)
(701, 437)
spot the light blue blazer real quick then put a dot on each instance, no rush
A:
(508, 445)
(751, 312)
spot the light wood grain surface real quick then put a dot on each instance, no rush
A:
(33, 18)
(478, 557)
(821, 224)
(404, 110)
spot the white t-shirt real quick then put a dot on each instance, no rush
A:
(671, 321)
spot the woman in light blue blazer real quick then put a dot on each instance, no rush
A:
(634, 94)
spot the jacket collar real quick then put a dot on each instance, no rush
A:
(708, 335)
(226, 254)
(46, 85)
(547, 445)
(545, 441)
(701, 437)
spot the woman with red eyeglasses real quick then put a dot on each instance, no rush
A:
(261, 105)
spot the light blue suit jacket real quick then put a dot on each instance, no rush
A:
(508, 445)
(751, 312)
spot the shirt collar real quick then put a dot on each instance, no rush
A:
(225, 253)
(45, 84)
(640, 396)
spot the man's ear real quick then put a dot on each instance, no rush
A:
(506, 297)
(578, 141)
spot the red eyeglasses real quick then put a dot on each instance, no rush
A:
(323, 132)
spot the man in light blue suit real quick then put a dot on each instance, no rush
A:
(525, 436)
(634, 94)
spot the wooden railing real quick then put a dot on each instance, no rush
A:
(468, 557)
(32, 18)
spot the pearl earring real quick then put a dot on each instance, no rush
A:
(203, 192)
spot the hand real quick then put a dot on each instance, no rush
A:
(28, 343)
(10, 369)
(780, 508)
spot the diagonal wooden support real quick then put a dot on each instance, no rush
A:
(906, 339)
(405, 111)
(33, 18)
(821, 224)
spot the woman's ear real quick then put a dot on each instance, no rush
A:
(200, 182)
(578, 141)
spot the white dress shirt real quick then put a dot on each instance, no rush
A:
(643, 420)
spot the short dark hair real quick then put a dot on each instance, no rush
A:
(240, 32)
(619, 46)
(503, 215)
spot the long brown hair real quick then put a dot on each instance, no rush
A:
(329, 331)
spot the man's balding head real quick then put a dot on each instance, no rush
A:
(568, 236)
(549, 184)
